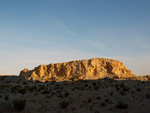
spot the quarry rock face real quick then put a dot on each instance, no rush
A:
(92, 69)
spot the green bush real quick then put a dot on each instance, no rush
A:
(96, 87)
(147, 95)
(13, 88)
(122, 85)
(122, 93)
(64, 104)
(89, 100)
(111, 93)
(107, 100)
(45, 92)
(138, 89)
(24, 83)
(19, 104)
(121, 105)
(124, 88)
(98, 98)
(94, 83)
(22, 90)
(6, 97)
(103, 104)
(66, 94)
(86, 85)
(41, 87)
(32, 88)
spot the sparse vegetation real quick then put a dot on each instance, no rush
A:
(122, 93)
(103, 104)
(89, 100)
(107, 100)
(98, 98)
(121, 105)
(94, 83)
(64, 104)
(66, 94)
(96, 87)
(32, 88)
(13, 88)
(22, 90)
(75, 95)
(147, 95)
(86, 85)
(111, 93)
(6, 97)
(24, 83)
(19, 104)
(138, 89)
(45, 92)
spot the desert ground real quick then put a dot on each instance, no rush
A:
(82, 96)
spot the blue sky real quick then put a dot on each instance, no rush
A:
(34, 32)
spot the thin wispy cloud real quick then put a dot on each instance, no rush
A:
(52, 31)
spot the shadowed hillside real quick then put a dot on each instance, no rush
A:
(82, 96)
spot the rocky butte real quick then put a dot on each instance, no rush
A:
(91, 69)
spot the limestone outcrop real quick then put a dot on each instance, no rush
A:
(92, 69)
(142, 78)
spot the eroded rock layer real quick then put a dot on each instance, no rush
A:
(92, 69)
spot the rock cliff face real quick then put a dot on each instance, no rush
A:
(92, 69)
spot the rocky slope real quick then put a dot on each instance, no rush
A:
(142, 78)
(95, 68)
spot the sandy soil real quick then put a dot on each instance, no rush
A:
(99, 96)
